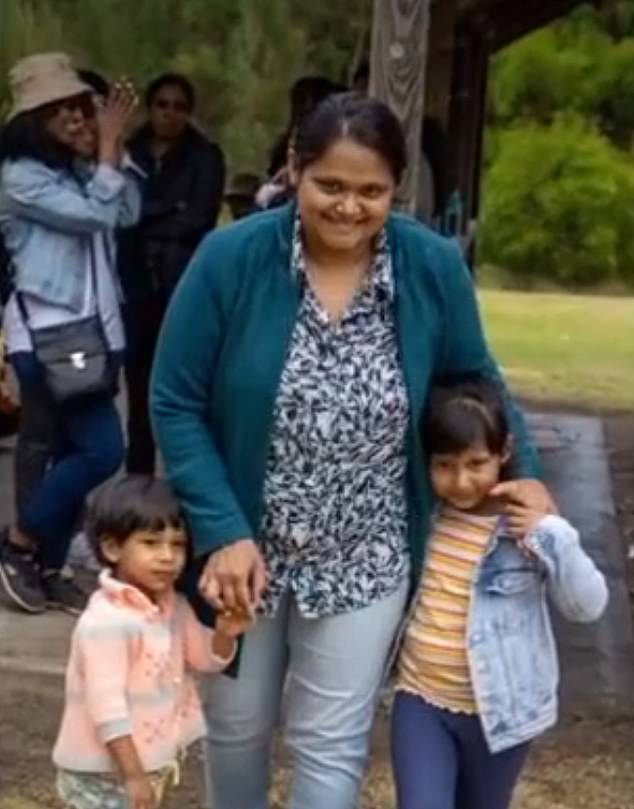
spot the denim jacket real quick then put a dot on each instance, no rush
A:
(47, 218)
(510, 643)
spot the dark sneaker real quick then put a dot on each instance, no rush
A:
(20, 577)
(62, 593)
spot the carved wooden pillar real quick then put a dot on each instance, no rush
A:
(397, 75)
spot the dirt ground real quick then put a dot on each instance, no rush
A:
(584, 764)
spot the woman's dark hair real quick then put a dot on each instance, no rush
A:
(95, 80)
(364, 120)
(305, 95)
(26, 136)
(171, 80)
(129, 504)
(465, 412)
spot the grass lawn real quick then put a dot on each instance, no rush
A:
(573, 348)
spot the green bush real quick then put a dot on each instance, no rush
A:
(559, 206)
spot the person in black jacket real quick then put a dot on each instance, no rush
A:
(181, 200)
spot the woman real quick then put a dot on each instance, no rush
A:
(305, 95)
(292, 371)
(63, 192)
(181, 201)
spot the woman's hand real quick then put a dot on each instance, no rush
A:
(526, 502)
(112, 119)
(234, 577)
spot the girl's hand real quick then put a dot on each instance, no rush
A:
(235, 622)
(112, 119)
(140, 792)
(230, 624)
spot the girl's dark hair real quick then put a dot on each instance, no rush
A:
(171, 80)
(129, 504)
(364, 120)
(465, 412)
(25, 136)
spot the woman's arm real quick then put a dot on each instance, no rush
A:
(130, 201)
(182, 382)
(33, 191)
(466, 352)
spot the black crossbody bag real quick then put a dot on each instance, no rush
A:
(75, 357)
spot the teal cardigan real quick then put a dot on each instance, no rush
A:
(223, 346)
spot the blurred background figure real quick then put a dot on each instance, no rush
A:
(65, 187)
(240, 195)
(182, 196)
(305, 95)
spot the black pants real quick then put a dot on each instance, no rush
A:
(143, 318)
(34, 447)
(86, 449)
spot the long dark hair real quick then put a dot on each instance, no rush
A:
(364, 120)
(26, 136)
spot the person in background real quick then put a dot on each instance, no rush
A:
(99, 84)
(65, 187)
(292, 371)
(132, 709)
(305, 95)
(36, 440)
(432, 193)
(182, 196)
(478, 670)
(240, 196)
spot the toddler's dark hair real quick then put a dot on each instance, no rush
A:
(129, 504)
(463, 412)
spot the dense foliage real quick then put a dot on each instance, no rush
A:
(559, 187)
(560, 172)
(241, 54)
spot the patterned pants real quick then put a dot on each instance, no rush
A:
(82, 790)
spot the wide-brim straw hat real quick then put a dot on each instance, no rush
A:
(43, 79)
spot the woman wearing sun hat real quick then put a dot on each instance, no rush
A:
(63, 189)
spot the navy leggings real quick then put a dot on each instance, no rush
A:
(441, 759)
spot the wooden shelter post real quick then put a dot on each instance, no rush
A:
(398, 62)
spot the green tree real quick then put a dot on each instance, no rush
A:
(558, 205)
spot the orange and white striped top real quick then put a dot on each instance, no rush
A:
(433, 660)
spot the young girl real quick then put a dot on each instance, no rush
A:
(131, 705)
(478, 670)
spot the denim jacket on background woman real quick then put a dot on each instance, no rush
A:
(46, 216)
(510, 643)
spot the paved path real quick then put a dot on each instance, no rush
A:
(597, 660)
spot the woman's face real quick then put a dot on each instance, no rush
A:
(345, 196)
(169, 112)
(73, 124)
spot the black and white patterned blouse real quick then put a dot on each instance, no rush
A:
(334, 523)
